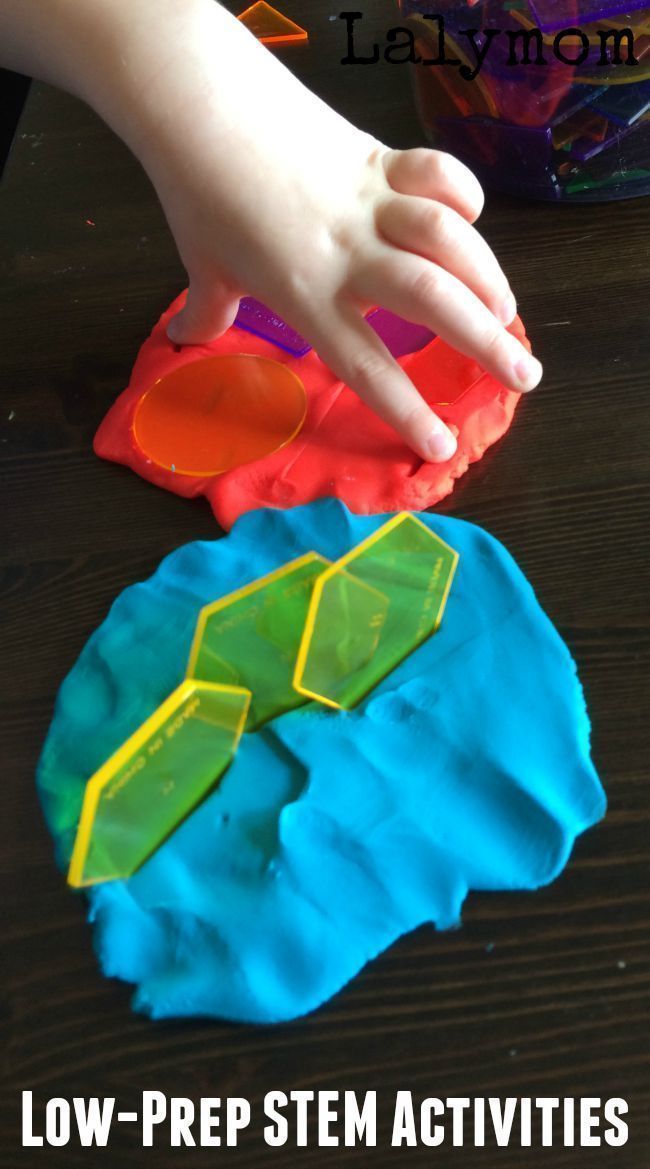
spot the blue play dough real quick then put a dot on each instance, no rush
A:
(332, 833)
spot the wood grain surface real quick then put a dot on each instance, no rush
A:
(544, 994)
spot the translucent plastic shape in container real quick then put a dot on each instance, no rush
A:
(449, 94)
(251, 637)
(548, 60)
(561, 14)
(270, 26)
(524, 149)
(575, 102)
(211, 415)
(624, 104)
(570, 41)
(585, 148)
(586, 124)
(371, 609)
(151, 783)
(621, 75)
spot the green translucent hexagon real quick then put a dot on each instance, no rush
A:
(372, 608)
(141, 794)
(251, 637)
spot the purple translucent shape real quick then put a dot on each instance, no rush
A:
(585, 148)
(256, 318)
(555, 14)
(630, 168)
(625, 104)
(526, 151)
(399, 336)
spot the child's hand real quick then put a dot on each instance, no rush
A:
(343, 225)
(270, 193)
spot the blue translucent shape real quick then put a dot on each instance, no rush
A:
(624, 104)
(578, 98)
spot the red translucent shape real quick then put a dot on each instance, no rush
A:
(212, 415)
(442, 374)
(270, 26)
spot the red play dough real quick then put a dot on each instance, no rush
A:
(343, 448)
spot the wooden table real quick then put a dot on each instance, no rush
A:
(543, 994)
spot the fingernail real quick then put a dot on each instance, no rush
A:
(508, 309)
(440, 446)
(528, 372)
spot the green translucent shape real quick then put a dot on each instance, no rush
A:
(351, 617)
(251, 637)
(155, 778)
(372, 608)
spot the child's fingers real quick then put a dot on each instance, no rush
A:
(440, 234)
(356, 355)
(428, 295)
(210, 309)
(435, 175)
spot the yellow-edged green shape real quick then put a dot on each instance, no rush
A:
(251, 637)
(372, 608)
(141, 794)
(311, 629)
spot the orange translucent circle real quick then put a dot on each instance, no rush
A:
(214, 414)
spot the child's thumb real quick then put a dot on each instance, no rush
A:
(208, 311)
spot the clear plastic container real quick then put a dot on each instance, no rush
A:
(556, 108)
